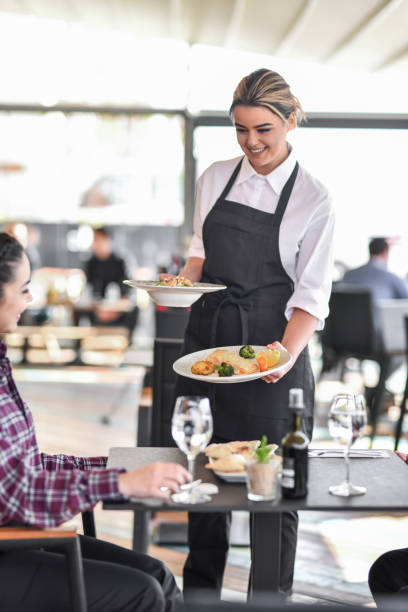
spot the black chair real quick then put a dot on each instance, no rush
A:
(88, 523)
(166, 351)
(403, 407)
(155, 428)
(351, 330)
(20, 538)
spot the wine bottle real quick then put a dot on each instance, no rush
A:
(294, 451)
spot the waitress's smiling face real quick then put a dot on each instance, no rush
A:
(262, 136)
(16, 296)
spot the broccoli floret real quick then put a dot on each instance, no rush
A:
(247, 352)
(225, 369)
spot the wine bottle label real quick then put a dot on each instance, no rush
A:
(288, 473)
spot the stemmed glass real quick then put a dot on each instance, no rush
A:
(191, 428)
(347, 421)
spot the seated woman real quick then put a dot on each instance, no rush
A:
(47, 490)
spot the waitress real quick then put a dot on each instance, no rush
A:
(263, 226)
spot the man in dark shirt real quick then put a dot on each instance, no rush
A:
(104, 267)
(105, 272)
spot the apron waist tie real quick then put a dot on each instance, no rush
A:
(240, 304)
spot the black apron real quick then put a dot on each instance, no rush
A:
(242, 252)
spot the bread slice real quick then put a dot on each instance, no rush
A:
(230, 463)
(217, 451)
(240, 365)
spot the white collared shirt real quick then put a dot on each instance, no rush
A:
(306, 232)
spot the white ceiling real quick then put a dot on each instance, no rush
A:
(363, 34)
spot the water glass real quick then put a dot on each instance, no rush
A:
(347, 421)
(192, 428)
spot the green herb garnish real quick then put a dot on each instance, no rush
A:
(262, 453)
(225, 369)
(247, 352)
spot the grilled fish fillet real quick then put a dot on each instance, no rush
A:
(240, 365)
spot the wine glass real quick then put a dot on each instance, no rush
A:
(347, 420)
(191, 428)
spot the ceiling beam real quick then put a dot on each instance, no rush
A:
(395, 57)
(297, 27)
(175, 18)
(234, 26)
(367, 25)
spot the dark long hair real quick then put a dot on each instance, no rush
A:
(11, 253)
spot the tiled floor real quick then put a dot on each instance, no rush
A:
(334, 553)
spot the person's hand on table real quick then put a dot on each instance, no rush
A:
(275, 376)
(149, 480)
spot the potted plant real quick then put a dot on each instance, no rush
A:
(262, 472)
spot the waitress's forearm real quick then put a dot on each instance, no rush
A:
(193, 269)
(298, 331)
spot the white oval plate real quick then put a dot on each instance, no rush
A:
(231, 476)
(183, 366)
(174, 296)
(228, 476)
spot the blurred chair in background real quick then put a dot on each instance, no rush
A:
(375, 277)
(350, 332)
(403, 406)
(383, 285)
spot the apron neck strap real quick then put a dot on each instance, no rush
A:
(230, 183)
(285, 195)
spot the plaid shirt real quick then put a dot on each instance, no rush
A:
(37, 488)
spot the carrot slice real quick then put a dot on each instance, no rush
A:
(262, 362)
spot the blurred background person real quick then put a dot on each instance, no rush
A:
(375, 276)
(105, 272)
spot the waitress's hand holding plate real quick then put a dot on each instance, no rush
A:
(275, 376)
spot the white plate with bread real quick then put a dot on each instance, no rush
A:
(208, 360)
(227, 460)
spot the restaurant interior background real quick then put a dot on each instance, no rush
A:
(110, 110)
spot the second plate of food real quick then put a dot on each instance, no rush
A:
(184, 364)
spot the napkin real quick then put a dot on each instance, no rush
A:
(354, 453)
